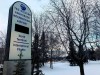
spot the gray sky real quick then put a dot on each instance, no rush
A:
(36, 6)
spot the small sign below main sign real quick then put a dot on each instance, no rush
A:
(19, 31)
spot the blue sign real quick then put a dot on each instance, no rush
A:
(23, 7)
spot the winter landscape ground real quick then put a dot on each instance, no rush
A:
(63, 68)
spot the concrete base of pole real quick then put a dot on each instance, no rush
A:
(10, 66)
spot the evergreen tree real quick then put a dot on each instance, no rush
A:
(20, 65)
(43, 47)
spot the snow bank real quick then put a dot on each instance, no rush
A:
(63, 68)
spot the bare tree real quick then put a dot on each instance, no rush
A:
(54, 44)
(2, 45)
(96, 24)
(38, 28)
(40, 31)
(75, 23)
(2, 39)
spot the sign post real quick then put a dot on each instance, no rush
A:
(18, 38)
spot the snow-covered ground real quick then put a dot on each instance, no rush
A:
(63, 68)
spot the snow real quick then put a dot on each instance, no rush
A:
(63, 68)
(1, 65)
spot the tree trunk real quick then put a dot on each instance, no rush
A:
(81, 69)
(51, 62)
(43, 57)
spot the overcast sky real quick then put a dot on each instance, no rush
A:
(36, 6)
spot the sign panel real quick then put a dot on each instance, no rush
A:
(20, 33)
